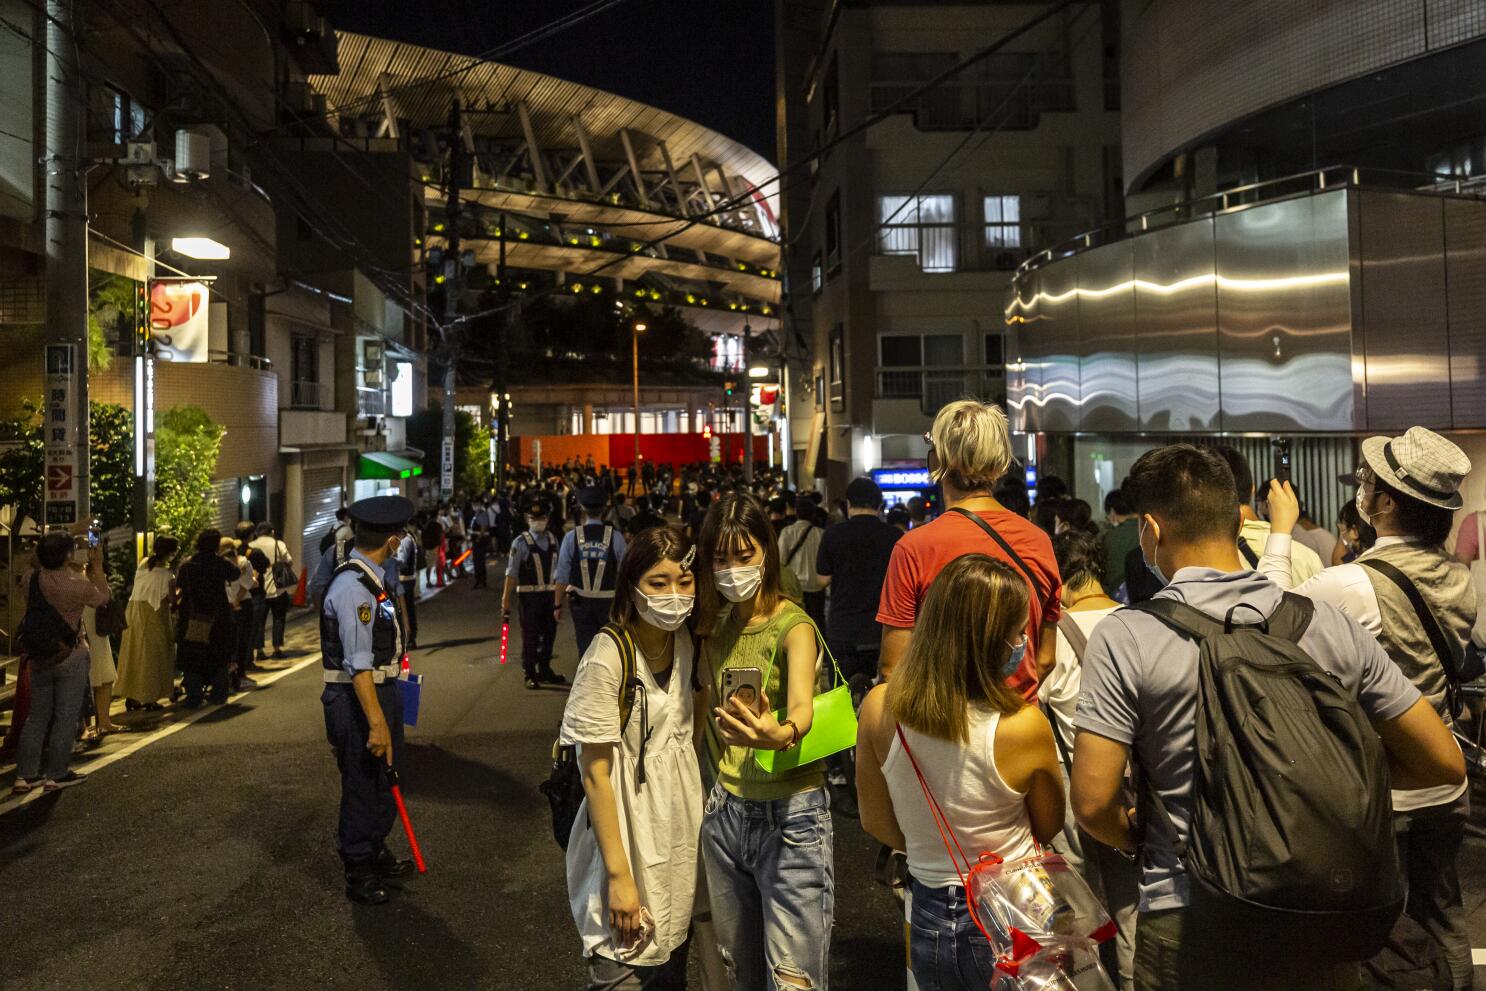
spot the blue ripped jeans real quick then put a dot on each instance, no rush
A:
(771, 876)
(945, 949)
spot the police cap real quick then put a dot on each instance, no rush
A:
(592, 497)
(535, 506)
(386, 513)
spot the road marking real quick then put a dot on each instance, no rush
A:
(13, 802)
(1478, 957)
(10, 803)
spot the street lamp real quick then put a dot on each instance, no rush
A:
(635, 339)
(759, 372)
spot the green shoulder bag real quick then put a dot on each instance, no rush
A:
(833, 728)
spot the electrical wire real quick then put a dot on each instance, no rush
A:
(865, 124)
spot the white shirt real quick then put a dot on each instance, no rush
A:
(151, 585)
(1347, 587)
(1058, 692)
(277, 552)
(1320, 540)
(807, 536)
(1302, 562)
(659, 823)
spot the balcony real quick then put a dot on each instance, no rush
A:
(371, 402)
(931, 389)
(300, 428)
(311, 395)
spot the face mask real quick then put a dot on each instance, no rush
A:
(739, 584)
(1361, 507)
(1018, 654)
(1153, 569)
(667, 611)
(537, 526)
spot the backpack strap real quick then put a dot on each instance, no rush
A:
(799, 543)
(1181, 617)
(1248, 552)
(1449, 656)
(991, 531)
(1074, 634)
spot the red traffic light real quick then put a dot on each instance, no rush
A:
(707, 431)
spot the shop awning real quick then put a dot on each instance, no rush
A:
(385, 464)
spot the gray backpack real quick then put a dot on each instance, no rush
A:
(1291, 838)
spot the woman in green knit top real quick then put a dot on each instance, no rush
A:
(766, 837)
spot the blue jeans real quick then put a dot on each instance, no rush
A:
(772, 882)
(56, 699)
(945, 949)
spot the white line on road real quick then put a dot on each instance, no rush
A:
(10, 804)
(1478, 957)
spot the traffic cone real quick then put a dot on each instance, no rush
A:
(299, 593)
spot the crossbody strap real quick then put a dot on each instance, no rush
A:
(1449, 659)
(1480, 536)
(1248, 553)
(798, 544)
(946, 830)
(820, 641)
(991, 531)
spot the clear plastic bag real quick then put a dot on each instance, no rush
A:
(1063, 964)
(1040, 896)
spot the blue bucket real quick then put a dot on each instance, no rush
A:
(410, 687)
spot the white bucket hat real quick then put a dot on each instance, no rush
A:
(1421, 464)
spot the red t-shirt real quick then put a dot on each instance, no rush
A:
(925, 550)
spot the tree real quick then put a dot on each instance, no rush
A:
(187, 444)
(110, 465)
(472, 471)
(110, 305)
(425, 431)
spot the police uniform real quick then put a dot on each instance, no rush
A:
(360, 632)
(588, 563)
(532, 561)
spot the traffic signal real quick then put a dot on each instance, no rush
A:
(707, 431)
(728, 388)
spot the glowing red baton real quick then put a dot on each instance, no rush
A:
(461, 558)
(407, 824)
(505, 638)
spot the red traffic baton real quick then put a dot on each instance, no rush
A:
(505, 637)
(407, 824)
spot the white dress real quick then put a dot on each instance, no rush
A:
(660, 821)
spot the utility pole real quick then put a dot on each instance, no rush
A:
(502, 365)
(453, 290)
(65, 486)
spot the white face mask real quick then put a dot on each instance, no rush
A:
(537, 526)
(739, 584)
(1361, 512)
(666, 611)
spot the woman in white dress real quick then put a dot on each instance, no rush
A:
(147, 655)
(632, 856)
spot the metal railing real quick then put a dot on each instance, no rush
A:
(239, 360)
(371, 402)
(1266, 191)
(967, 247)
(311, 395)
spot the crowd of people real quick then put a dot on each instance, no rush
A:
(1033, 680)
(1025, 679)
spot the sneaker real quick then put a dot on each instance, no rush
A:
(65, 781)
(23, 786)
(532, 683)
(551, 677)
(245, 683)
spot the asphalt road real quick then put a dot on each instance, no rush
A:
(206, 859)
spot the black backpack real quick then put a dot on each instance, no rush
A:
(564, 784)
(43, 635)
(1291, 837)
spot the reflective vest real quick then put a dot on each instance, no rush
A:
(598, 565)
(535, 573)
(386, 629)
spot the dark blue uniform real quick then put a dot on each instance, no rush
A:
(531, 564)
(588, 563)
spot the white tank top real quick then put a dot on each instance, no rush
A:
(987, 816)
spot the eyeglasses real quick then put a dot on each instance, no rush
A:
(929, 440)
(1365, 475)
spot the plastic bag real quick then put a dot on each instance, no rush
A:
(1063, 964)
(1041, 897)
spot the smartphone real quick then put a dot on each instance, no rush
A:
(746, 683)
(1282, 461)
(93, 538)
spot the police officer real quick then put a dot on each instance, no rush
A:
(529, 573)
(481, 524)
(587, 565)
(361, 641)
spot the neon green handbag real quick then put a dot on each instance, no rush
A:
(833, 728)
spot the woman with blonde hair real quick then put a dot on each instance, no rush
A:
(987, 756)
(969, 453)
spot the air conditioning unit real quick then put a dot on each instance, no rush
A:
(193, 154)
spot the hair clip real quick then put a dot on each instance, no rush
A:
(691, 556)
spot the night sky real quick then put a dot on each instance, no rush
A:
(709, 60)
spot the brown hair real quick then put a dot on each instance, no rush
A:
(648, 548)
(960, 645)
(736, 521)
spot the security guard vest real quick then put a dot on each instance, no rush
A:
(535, 572)
(385, 631)
(598, 566)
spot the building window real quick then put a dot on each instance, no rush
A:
(895, 75)
(831, 99)
(928, 367)
(817, 274)
(995, 350)
(921, 226)
(113, 116)
(304, 371)
(833, 234)
(1003, 216)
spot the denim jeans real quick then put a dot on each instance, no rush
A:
(771, 877)
(57, 696)
(945, 949)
